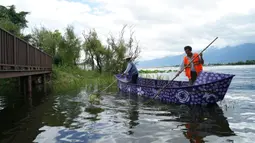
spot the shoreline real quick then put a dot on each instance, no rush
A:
(163, 67)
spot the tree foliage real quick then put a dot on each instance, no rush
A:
(13, 21)
(94, 51)
(70, 47)
(47, 40)
(110, 58)
(66, 47)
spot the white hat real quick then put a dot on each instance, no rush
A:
(127, 57)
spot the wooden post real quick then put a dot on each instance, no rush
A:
(23, 79)
(19, 84)
(30, 100)
(29, 84)
(44, 79)
(44, 84)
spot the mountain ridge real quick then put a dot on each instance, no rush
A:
(212, 55)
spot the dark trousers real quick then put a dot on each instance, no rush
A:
(134, 78)
(193, 77)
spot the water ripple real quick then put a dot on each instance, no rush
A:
(124, 118)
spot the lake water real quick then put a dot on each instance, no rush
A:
(121, 118)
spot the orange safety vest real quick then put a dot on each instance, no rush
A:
(192, 135)
(196, 62)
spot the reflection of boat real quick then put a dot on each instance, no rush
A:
(209, 88)
(200, 121)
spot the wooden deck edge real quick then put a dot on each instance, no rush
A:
(20, 74)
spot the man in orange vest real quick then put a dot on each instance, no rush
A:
(195, 67)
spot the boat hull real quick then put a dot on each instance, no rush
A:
(209, 88)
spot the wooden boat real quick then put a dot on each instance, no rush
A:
(209, 88)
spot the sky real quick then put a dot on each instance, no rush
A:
(162, 27)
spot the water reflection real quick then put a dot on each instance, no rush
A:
(2, 104)
(64, 135)
(70, 118)
(200, 122)
(197, 122)
(133, 112)
(119, 117)
(19, 122)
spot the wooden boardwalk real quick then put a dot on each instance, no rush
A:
(20, 59)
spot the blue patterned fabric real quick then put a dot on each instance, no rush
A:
(209, 77)
(208, 88)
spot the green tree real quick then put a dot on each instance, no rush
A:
(94, 50)
(70, 46)
(47, 40)
(64, 48)
(109, 58)
(120, 48)
(13, 21)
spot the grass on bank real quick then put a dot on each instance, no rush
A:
(67, 78)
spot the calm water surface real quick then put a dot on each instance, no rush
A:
(124, 118)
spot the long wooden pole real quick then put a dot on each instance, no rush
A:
(183, 69)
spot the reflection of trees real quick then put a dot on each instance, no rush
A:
(93, 111)
(132, 113)
(64, 111)
(23, 115)
(21, 118)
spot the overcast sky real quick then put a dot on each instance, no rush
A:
(163, 27)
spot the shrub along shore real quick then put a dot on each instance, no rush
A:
(66, 78)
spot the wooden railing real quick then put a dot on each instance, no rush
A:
(18, 55)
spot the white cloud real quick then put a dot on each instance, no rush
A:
(163, 27)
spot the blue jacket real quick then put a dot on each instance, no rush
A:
(131, 69)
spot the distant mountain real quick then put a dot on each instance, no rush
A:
(211, 55)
